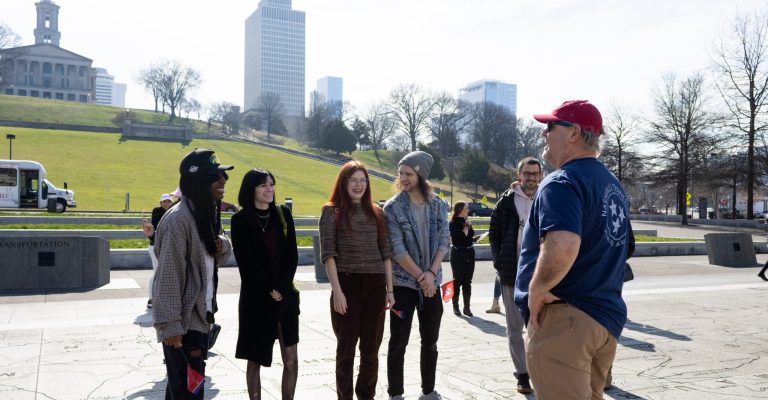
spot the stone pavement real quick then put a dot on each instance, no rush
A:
(695, 331)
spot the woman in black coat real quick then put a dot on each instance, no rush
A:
(462, 256)
(264, 242)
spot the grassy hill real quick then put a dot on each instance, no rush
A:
(32, 109)
(101, 169)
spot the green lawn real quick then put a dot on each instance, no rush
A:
(101, 169)
(32, 109)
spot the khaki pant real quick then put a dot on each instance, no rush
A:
(569, 355)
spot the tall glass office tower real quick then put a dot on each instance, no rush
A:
(497, 92)
(274, 55)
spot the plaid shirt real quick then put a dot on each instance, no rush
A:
(178, 299)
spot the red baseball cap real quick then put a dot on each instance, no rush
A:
(580, 112)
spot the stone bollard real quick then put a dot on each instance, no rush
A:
(321, 276)
(730, 249)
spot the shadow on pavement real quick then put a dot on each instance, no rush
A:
(617, 394)
(157, 391)
(652, 330)
(487, 326)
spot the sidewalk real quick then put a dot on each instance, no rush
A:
(695, 331)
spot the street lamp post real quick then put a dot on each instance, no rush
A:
(10, 138)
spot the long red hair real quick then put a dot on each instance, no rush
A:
(342, 202)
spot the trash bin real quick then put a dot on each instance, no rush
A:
(321, 275)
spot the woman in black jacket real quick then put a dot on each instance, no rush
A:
(462, 255)
(264, 242)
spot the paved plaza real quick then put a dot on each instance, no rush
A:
(695, 331)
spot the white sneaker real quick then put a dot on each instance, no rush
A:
(431, 396)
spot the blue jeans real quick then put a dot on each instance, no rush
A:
(496, 288)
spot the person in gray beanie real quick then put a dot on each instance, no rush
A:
(420, 161)
(418, 233)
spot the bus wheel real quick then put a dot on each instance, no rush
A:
(61, 206)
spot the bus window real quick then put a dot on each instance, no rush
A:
(7, 177)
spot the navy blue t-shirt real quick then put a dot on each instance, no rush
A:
(585, 198)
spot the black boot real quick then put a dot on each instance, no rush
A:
(456, 306)
(467, 311)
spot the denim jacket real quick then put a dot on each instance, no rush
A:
(404, 237)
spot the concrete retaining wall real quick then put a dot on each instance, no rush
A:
(139, 258)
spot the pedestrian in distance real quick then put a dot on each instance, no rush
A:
(505, 233)
(572, 263)
(264, 241)
(418, 232)
(357, 256)
(462, 256)
(149, 229)
(190, 245)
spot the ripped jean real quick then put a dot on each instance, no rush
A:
(176, 365)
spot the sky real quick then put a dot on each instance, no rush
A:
(556, 50)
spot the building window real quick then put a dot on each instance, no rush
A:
(22, 92)
(59, 96)
(9, 91)
(83, 98)
(46, 95)
(47, 68)
(47, 21)
(34, 93)
(46, 82)
(71, 96)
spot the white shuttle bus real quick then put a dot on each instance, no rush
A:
(23, 185)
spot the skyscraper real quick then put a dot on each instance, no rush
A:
(331, 89)
(493, 91)
(102, 86)
(274, 55)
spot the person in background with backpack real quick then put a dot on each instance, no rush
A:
(264, 241)
(357, 256)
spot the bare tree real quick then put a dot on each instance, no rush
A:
(8, 38)
(222, 113)
(741, 68)
(411, 106)
(381, 127)
(618, 153)
(530, 141)
(448, 120)
(270, 111)
(494, 131)
(176, 82)
(150, 78)
(682, 127)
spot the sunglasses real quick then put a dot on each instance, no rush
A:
(551, 125)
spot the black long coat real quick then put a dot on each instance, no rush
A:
(259, 314)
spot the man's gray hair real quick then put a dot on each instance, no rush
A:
(592, 140)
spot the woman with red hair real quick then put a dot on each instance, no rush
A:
(357, 256)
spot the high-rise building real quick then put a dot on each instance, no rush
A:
(493, 91)
(118, 94)
(331, 90)
(102, 86)
(274, 55)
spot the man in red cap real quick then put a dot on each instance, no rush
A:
(571, 266)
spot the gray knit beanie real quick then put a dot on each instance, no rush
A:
(420, 161)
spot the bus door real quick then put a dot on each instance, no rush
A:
(29, 184)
